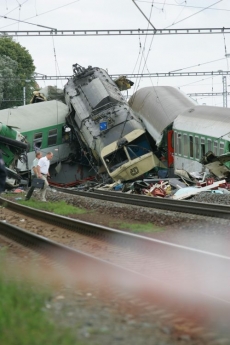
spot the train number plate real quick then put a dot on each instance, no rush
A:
(134, 171)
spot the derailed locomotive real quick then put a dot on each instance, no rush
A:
(105, 127)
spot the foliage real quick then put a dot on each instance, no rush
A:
(20, 65)
(8, 69)
(139, 228)
(59, 207)
(23, 316)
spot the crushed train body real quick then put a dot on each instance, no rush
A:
(105, 127)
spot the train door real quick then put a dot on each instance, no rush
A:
(170, 149)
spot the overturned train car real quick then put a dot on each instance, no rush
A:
(191, 137)
(105, 126)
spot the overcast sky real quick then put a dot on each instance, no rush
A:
(55, 56)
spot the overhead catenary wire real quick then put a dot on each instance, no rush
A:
(200, 64)
(179, 21)
(139, 54)
(22, 21)
(144, 15)
(225, 50)
(143, 49)
(185, 5)
(197, 81)
(145, 65)
(15, 7)
(41, 14)
(179, 5)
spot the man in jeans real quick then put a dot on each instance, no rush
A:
(38, 155)
(43, 172)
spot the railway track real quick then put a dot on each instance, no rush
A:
(191, 281)
(204, 209)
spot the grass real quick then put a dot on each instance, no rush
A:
(139, 228)
(24, 316)
(57, 207)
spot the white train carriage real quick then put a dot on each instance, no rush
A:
(197, 131)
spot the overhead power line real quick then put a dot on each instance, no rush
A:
(181, 5)
(144, 15)
(118, 32)
(207, 94)
(39, 76)
(22, 21)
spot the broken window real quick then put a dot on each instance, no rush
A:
(52, 137)
(221, 148)
(215, 147)
(197, 148)
(191, 146)
(138, 147)
(115, 159)
(37, 142)
(185, 145)
(202, 146)
(209, 145)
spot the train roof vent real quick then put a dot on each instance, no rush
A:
(99, 94)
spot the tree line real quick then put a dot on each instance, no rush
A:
(16, 72)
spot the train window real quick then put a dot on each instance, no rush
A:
(138, 147)
(37, 142)
(191, 146)
(179, 144)
(115, 159)
(185, 145)
(209, 145)
(197, 148)
(221, 152)
(202, 146)
(215, 148)
(52, 137)
(175, 142)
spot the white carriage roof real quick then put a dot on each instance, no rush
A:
(206, 120)
(34, 116)
(158, 106)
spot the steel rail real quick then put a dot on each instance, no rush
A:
(152, 287)
(132, 241)
(116, 32)
(177, 260)
(53, 250)
(185, 206)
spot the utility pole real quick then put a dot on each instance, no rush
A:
(24, 95)
(225, 93)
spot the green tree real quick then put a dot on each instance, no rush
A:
(8, 84)
(19, 64)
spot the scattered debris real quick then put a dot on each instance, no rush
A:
(187, 192)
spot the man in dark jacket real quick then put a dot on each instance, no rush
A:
(2, 174)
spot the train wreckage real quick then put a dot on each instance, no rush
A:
(96, 134)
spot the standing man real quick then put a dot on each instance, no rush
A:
(43, 172)
(35, 163)
(38, 155)
(2, 174)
